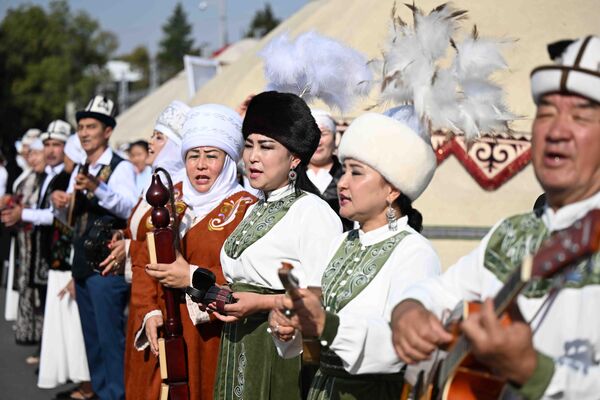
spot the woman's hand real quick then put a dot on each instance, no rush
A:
(281, 327)
(115, 262)
(247, 304)
(309, 312)
(175, 275)
(152, 325)
(69, 288)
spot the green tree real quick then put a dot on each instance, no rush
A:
(48, 58)
(263, 22)
(175, 43)
(139, 58)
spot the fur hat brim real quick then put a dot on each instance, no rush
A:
(393, 149)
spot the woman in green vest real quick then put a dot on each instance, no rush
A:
(388, 162)
(290, 224)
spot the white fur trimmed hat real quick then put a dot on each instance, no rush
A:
(57, 130)
(213, 125)
(171, 119)
(393, 149)
(577, 71)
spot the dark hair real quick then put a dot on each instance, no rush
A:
(303, 182)
(415, 219)
(142, 143)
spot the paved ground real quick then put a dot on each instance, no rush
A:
(17, 379)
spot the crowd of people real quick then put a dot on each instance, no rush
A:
(274, 182)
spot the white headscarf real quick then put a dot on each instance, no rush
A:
(169, 123)
(74, 151)
(216, 126)
(169, 157)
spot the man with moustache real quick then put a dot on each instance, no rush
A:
(559, 355)
(107, 190)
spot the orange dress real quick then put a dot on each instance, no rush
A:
(201, 246)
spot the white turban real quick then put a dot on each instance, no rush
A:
(36, 145)
(171, 120)
(74, 151)
(213, 125)
(323, 119)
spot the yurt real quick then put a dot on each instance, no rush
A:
(474, 186)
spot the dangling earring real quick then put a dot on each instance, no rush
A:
(390, 214)
(292, 176)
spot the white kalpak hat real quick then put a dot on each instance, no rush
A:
(323, 119)
(213, 125)
(57, 130)
(393, 149)
(577, 71)
(171, 119)
(101, 108)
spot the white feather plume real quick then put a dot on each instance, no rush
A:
(460, 98)
(315, 66)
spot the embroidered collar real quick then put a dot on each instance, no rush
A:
(280, 193)
(382, 233)
(565, 216)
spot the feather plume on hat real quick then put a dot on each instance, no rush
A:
(314, 66)
(460, 98)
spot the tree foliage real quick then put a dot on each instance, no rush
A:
(176, 42)
(263, 22)
(46, 59)
(139, 58)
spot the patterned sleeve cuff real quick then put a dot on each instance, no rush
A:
(535, 387)
(332, 323)
(141, 340)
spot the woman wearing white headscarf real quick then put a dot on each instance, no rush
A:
(210, 203)
(165, 152)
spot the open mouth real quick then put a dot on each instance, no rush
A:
(344, 200)
(555, 158)
(254, 173)
(201, 179)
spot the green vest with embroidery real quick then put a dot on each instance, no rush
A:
(353, 267)
(521, 235)
(264, 216)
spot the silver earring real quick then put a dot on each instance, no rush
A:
(390, 214)
(292, 176)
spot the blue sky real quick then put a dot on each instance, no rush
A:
(139, 22)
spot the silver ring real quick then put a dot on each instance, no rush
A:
(276, 329)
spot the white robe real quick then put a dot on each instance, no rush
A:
(301, 238)
(364, 338)
(573, 317)
(62, 355)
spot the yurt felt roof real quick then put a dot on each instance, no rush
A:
(453, 197)
(137, 122)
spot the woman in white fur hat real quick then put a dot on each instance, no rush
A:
(210, 203)
(387, 165)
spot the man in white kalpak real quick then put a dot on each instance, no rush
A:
(560, 358)
(107, 190)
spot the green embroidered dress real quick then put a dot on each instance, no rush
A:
(357, 359)
(285, 228)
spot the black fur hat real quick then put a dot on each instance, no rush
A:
(286, 118)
